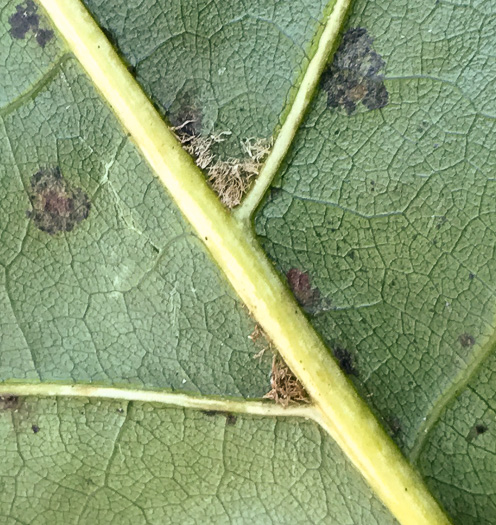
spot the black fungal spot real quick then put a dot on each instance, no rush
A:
(477, 430)
(56, 206)
(26, 19)
(354, 75)
(467, 340)
(471, 276)
(186, 116)
(35, 429)
(9, 402)
(394, 426)
(480, 429)
(230, 418)
(345, 360)
(43, 36)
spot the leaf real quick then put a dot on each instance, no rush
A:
(104, 282)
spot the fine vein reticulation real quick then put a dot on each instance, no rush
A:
(233, 246)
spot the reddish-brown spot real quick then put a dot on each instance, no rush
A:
(56, 206)
(309, 298)
(299, 282)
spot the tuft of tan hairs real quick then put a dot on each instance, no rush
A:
(230, 178)
(285, 386)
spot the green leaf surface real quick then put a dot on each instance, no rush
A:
(386, 214)
(92, 461)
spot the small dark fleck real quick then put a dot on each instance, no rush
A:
(9, 402)
(480, 429)
(471, 276)
(477, 430)
(394, 426)
(231, 419)
(56, 206)
(35, 429)
(351, 255)
(110, 36)
(345, 360)
(120, 410)
(467, 340)
(186, 116)
(354, 76)
(43, 36)
(211, 412)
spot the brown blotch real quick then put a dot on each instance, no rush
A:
(309, 298)
(26, 19)
(354, 75)
(467, 340)
(9, 402)
(285, 386)
(56, 206)
(345, 360)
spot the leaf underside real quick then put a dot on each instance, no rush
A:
(389, 213)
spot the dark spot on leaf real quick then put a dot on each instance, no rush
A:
(9, 402)
(467, 340)
(308, 297)
(43, 36)
(471, 276)
(56, 206)
(440, 222)
(230, 418)
(26, 19)
(186, 116)
(35, 429)
(345, 360)
(480, 429)
(354, 76)
(477, 430)
(394, 426)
